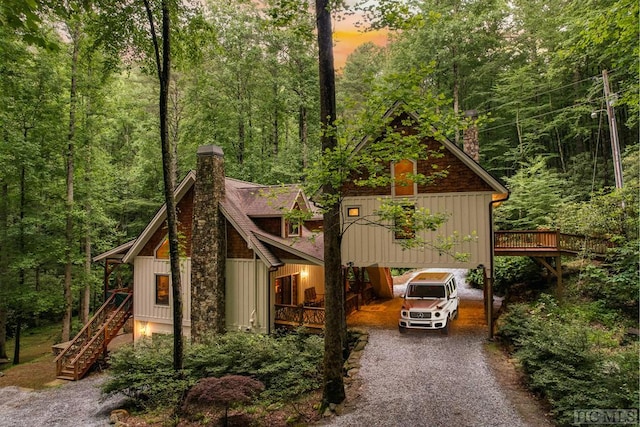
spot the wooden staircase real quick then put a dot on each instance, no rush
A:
(91, 342)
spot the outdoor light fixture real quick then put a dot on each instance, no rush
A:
(304, 274)
(143, 328)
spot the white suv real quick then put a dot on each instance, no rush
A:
(430, 302)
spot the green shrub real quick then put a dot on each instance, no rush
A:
(288, 366)
(616, 286)
(509, 271)
(145, 374)
(569, 361)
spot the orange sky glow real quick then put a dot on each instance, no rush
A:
(347, 37)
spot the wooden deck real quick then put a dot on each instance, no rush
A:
(547, 243)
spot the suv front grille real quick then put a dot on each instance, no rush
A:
(420, 315)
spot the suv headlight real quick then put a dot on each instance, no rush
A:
(404, 313)
(437, 314)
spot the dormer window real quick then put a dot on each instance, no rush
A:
(403, 183)
(293, 228)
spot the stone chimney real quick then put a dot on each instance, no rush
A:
(471, 143)
(208, 247)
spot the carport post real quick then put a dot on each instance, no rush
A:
(489, 286)
(484, 291)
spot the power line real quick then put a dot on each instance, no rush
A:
(537, 94)
(539, 115)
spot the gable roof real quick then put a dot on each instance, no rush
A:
(489, 179)
(115, 253)
(159, 218)
(242, 201)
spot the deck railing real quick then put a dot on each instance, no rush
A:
(552, 240)
(313, 317)
(300, 315)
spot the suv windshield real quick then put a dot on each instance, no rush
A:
(425, 291)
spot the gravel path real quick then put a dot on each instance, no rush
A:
(74, 404)
(424, 378)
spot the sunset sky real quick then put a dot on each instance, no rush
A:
(347, 37)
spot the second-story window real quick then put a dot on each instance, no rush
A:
(404, 227)
(403, 183)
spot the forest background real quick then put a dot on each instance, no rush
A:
(80, 168)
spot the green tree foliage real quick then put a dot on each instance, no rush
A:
(30, 176)
(536, 197)
(254, 91)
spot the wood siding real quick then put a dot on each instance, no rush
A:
(247, 290)
(269, 225)
(367, 245)
(460, 178)
(144, 306)
(249, 287)
(236, 245)
(185, 221)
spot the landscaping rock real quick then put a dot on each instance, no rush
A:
(117, 415)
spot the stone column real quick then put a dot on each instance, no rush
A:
(471, 144)
(208, 246)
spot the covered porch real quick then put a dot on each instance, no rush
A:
(299, 298)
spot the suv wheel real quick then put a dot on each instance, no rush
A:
(445, 330)
(402, 329)
(455, 315)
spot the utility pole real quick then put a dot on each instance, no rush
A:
(613, 130)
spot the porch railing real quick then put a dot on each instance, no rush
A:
(314, 317)
(300, 315)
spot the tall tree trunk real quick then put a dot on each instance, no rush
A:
(176, 116)
(456, 94)
(276, 124)
(68, 295)
(21, 281)
(3, 332)
(85, 297)
(86, 291)
(303, 133)
(4, 266)
(333, 390)
(163, 63)
(16, 348)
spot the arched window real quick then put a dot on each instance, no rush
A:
(403, 184)
(162, 251)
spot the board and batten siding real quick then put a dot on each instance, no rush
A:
(366, 245)
(247, 287)
(158, 318)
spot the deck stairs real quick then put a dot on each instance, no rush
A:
(92, 341)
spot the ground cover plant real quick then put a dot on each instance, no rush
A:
(578, 352)
(289, 366)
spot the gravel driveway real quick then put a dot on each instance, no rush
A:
(423, 378)
(74, 404)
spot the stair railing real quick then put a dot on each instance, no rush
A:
(89, 353)
(88, 332)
